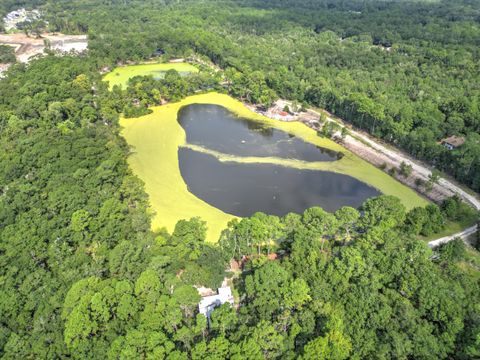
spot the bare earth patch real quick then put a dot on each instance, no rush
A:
(28, 46)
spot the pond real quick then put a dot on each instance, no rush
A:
(243, 189)
(216, 128)
(182, 184)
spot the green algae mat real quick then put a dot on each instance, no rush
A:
(156, 138)
(120, 75)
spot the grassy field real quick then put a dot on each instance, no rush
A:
(155, 139)
(121, 74)
(451, 227)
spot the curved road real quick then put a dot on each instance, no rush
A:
(462, 234)
(421, 171)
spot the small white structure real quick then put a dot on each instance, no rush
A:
(63, 47)
(208, 303)
(21, 15)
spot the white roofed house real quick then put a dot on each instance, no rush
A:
(208, 303)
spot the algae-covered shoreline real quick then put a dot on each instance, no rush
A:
(155, 139)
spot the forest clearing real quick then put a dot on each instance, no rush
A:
(27, 47)
(121, 74)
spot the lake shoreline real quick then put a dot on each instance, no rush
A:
(156, 137)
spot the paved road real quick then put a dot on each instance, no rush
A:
(462, 235)
(421, 170)
(418, 168)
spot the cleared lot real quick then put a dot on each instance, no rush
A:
(26, 47)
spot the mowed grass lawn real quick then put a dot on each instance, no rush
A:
(120, 75)
(155, 139)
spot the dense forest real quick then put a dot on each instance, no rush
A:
(404, 71)
(82, 275)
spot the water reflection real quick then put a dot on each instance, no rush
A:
(243, 189)
(216, 128)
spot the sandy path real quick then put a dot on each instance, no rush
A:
(462, 235)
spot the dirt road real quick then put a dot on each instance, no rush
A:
(28, 46)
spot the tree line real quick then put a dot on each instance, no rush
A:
(405, 72)
(83, 275)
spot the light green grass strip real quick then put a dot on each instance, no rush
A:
(156, 137)
(120, 75)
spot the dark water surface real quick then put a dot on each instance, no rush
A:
(216, 128)
(243, 189)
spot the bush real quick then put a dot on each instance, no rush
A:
(419, 182)
(7, 54)
(452, 251)
(131, 111)
(435, 222)
(405, 169)
(455, 209)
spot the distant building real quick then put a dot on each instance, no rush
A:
(66, 46)
(277, 111)
(453, 142)
(208, 303)
(12, 19)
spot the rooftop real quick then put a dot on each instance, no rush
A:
(208, 303)
(455, 141)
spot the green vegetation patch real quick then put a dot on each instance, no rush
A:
(120, 75)
(155, 139)
(7, 54)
